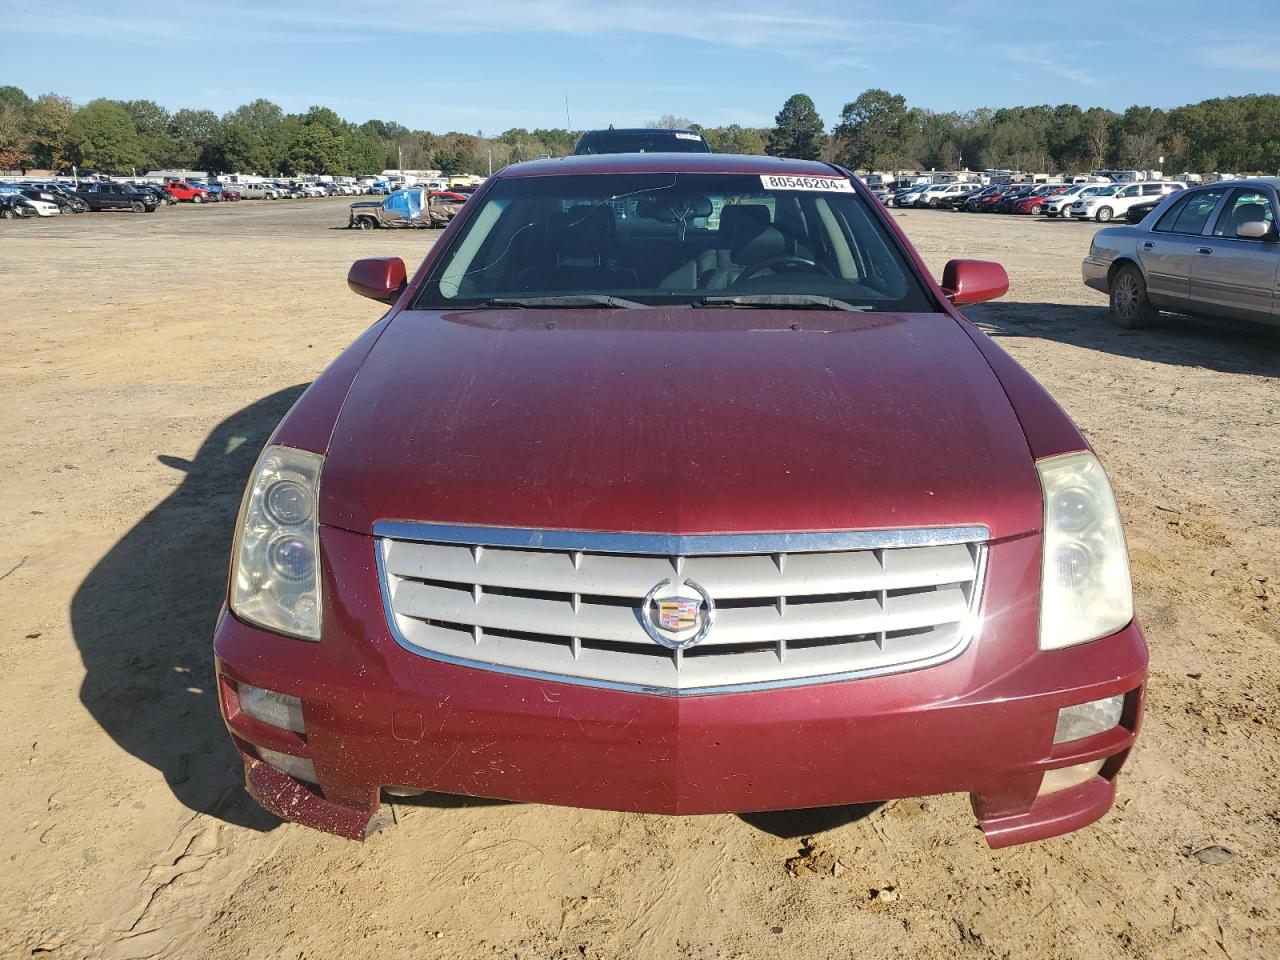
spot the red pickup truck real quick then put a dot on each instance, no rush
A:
(185, 192)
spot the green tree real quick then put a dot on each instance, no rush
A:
(51, 132)
(104, 137)
(15, 128)
(152, 123)
(735, 139)
(798, 131)
(872, 131)
(195, 137)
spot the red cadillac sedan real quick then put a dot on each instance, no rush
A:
(674, 483)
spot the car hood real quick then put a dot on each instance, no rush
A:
(681, 421)
(366, 203)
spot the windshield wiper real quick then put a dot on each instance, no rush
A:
(568, 300)
(794, 301)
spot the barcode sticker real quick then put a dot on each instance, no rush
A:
(822, 184)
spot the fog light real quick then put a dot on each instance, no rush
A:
(300, 768)
(1086, 719)
(1066, 777)
(278, 709)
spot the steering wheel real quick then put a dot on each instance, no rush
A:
(783, 264)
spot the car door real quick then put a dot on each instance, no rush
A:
(1234, 276)
(1169, 251)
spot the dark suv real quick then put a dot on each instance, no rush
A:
(642, 140)
(104, 195)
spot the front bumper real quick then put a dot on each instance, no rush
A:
(379, 715)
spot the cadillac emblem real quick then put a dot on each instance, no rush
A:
(677, 614)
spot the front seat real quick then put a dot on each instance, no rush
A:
(582, 242)
(752, 244)
(733, 217)
(1246, 213)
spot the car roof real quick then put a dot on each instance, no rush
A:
(650, 131)
(669, 163)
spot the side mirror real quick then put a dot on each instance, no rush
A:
(378, 278)
(1257, 230)
(974, 281)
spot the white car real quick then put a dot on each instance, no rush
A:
(932, 194)
(1106, 206)
(314, 190)
(1060, 205)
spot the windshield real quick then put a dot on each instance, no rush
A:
(641, 141)
(673, 239)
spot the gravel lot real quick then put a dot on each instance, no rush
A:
(146, 358)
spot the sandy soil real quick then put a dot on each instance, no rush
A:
(145, 358)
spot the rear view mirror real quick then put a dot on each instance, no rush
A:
(974, 281)
(378, 278)
(1256, 230)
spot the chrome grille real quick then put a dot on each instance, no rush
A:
(790, 609)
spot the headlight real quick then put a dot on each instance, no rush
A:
(275, 571)
(1085, 592)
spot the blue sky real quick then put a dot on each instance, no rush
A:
(497, 64)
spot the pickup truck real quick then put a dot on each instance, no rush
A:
(184, 191)
(104, 195)
(406, 208)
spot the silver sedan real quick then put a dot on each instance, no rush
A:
(1211, 250)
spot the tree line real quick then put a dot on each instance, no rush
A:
(876, 131)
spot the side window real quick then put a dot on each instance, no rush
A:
(1244, 206)
(1129, 192)
(1189, 213)
(1152, 190)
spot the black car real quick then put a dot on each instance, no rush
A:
(641, 140)
(53, 192)
(14, 206)
(163, 197)
(956, 200)
(105, 195)
(1138, 212)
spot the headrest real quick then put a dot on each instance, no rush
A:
(674, 210)
(753, 244)
(735, 215)
(583, 232)
(1248, 212)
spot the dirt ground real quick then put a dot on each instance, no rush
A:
(144, 359)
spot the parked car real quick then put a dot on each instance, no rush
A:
(707, 587)
(935, 193)
(908, 196)
(14, 206)
(970, 202)
(1105, 206)
(1033, 203)
(109, 195)
(230, 194)
(989, 203)
(1059, 205)
(313, 190)
(1138, 212)
(1212, 250)
(956, 200)
(642, 140)
(413, 207)
(162, 196)
(186, 192)
(258, 191)
(57, 193)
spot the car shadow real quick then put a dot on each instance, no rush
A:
(144, 616)
(1221, 345)
(792, 824)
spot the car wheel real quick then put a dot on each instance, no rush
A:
(7, 214)
(1130, 306)
(1105, 214)
(1035, 210)
(933, 202)
(366, 223)
(137, 206)
(197, 199)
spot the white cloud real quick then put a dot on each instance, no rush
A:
(1039, 56)
(1255, 57)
